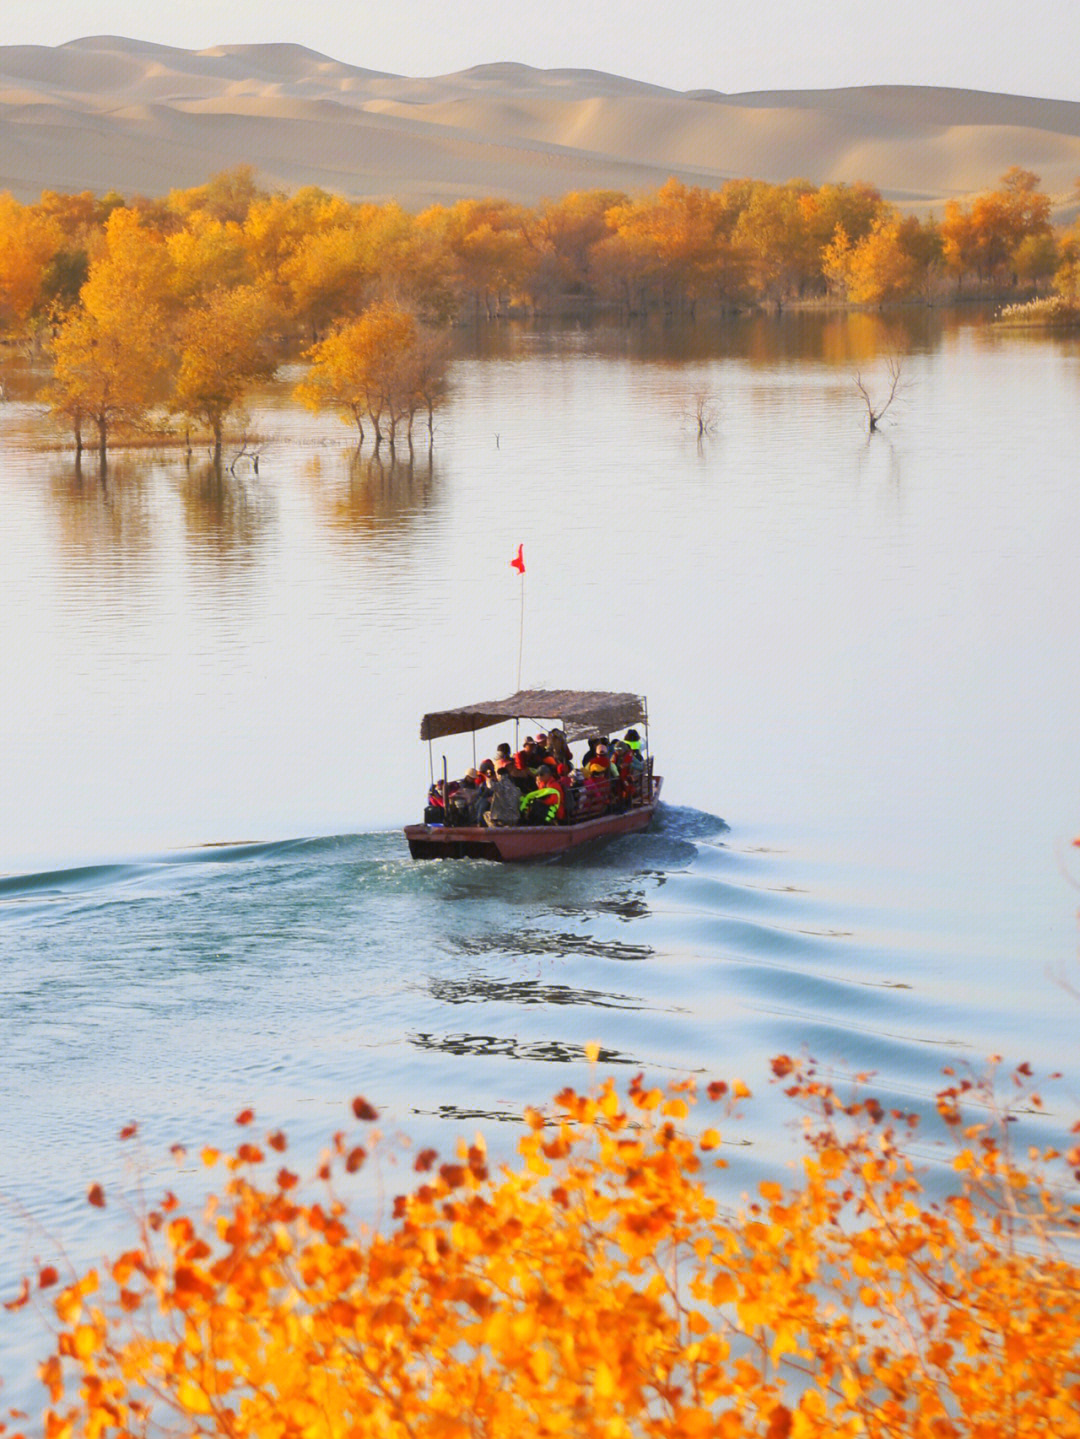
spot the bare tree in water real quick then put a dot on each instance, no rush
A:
(704, 413)
(876, 409)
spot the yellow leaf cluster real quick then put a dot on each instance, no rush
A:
(597, 1288)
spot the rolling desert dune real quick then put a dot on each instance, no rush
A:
(109, 113)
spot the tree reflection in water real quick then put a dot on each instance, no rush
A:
(101, 515)
(226, 515)
(371, 496)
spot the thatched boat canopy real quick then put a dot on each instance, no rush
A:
(580, 713)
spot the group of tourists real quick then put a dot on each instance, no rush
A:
(542, 784)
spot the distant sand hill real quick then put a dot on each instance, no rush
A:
(108, 113)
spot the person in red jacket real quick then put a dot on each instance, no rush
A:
(551, 779)
(528, 756)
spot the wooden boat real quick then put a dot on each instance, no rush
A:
(580, 714)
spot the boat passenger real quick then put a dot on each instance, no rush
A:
(528, 757)
(465, 801)
(560, 752)
(600, 762)
(636, 776)
(629, 781)
(502, 756)
(505, 808)
(593, 797)
(523, 778)
(487, 788)
(573, 788)
(601, 779)
(549, 775)
(542, 805)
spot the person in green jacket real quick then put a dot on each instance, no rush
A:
(541, 805)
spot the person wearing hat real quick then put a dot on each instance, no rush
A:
(599, 764)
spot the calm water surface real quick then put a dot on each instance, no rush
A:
(862, 669)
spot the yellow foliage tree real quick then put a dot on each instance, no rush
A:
(682, 236)
(224, 348)
(486, 241)
(877, 267)
(379, 367)
(566, 232)
(852, 207)
(275, 228)
(418, 268)
(331, 271)
(598, 1288)
(772, 229)
(983, 238)
(226, 196)
(206, 255)
(1035, 258)
(111, 356)
(29, 240)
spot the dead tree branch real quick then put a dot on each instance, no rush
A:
(874, 410)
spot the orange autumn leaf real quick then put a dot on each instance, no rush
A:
(21, 1299)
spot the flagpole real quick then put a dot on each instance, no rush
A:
(518, 563)
(521, 630)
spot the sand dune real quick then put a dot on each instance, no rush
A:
(105, 112)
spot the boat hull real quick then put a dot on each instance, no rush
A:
(526, 841)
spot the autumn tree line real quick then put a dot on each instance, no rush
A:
(182, 303)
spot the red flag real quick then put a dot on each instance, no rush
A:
(518, 562)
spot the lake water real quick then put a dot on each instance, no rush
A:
(861, 660)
